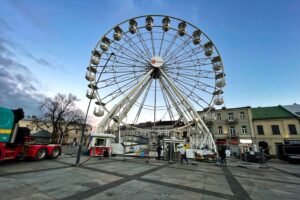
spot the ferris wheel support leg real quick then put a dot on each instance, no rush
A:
(132, 101)
(174, 102)
(196, 116)
(108, 117)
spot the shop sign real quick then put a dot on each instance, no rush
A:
(291, 141)
(234, 141)
(246, 141)
(221, 141)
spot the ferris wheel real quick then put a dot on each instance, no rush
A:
(155, 68)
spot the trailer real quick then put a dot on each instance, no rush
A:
(16, 142)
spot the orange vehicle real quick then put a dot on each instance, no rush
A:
(16, 142)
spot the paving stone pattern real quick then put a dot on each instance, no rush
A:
(132, 179)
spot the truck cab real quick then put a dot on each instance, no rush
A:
(16, 142)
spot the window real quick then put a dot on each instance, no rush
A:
(292, 129)
(244, 129)
(275, 130)
(219, 117)
(232, 131)
(260, 130)
(242, 115)
(100, 142)
(230, 116)
(76, 131)
(220, 130)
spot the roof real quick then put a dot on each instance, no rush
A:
(294, 108)
(273, 112)
(224, 108)
(42, 134)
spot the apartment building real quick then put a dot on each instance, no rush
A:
(231, 127)
(275, 125)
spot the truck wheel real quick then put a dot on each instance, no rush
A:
(41, 154)
(55, 153)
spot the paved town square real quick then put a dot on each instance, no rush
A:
(134, 178)
(149, 99)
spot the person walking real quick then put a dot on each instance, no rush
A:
(158, 149)
(182, 150)
(223, 156)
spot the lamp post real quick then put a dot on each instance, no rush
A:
(87, 111)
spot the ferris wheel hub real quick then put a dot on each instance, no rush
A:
(157, 62)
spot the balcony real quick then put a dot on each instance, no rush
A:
(233, 135)
(209, 119)
(232, 121)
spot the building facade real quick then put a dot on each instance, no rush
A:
(231, 128)
(275, 125)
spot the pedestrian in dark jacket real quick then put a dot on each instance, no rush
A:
(223, 156)
(158, 151)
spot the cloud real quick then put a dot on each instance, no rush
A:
(17, 84)
(41, 61)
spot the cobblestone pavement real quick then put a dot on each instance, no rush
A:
(133, 178)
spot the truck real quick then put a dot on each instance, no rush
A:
(16, 142)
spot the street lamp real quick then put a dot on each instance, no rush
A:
(88, 108)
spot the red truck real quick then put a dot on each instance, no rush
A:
(16, 142)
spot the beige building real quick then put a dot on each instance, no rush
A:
(275, 125)
(72, 136)
(231, 127)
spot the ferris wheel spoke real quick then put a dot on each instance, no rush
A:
(152, 42)
(190, 79)
(161, 42)
(170, 45)
(188, 54)
(142, 103)
(197, 62)
(178, 49)
(183, 67)
(185, 99)
(123, 64)
(113, 83)
(188, 84)
(118, 93)
(124, 51)
(111, 69)
(192, 94)
(142, 41)
(114, 77)
(131, 43)
(178, 74)
(198, 72)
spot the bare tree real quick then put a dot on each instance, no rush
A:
(61, 112)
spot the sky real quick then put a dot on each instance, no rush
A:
(45, 46)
